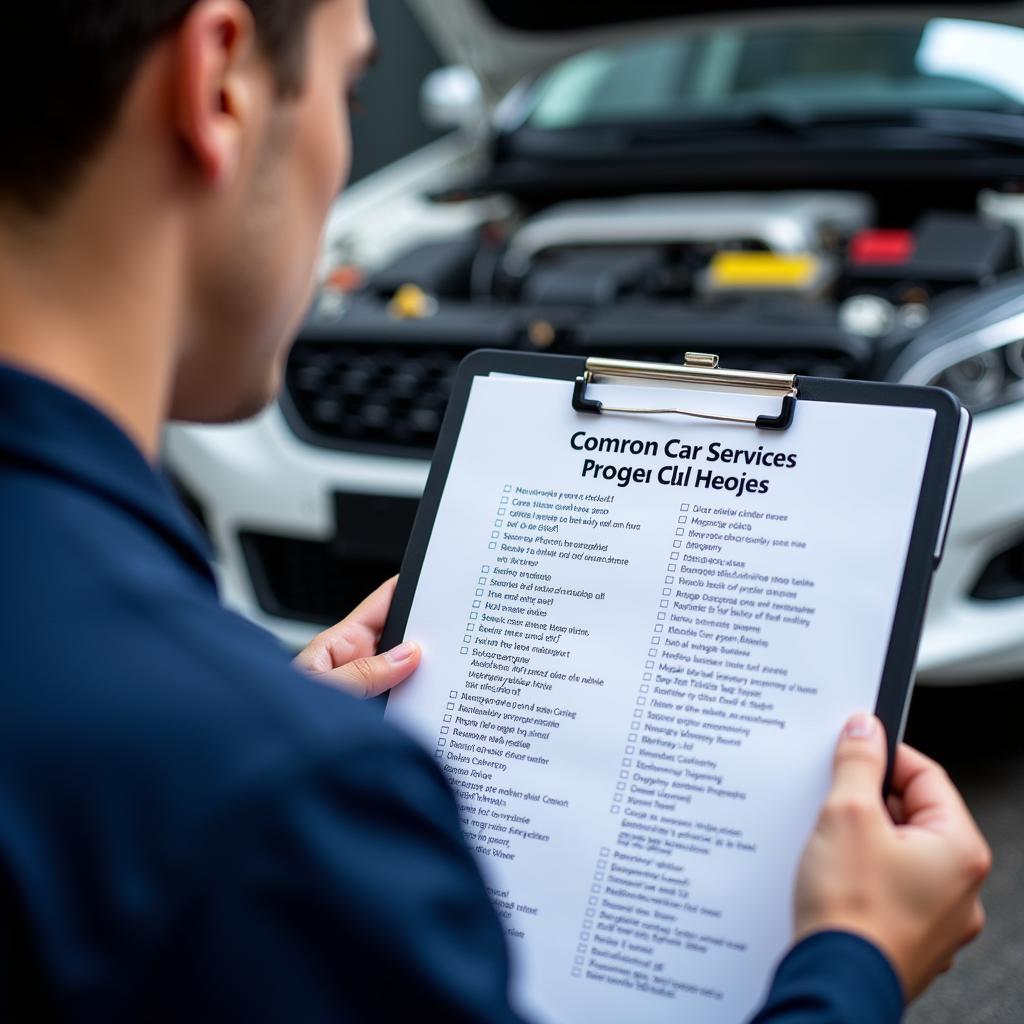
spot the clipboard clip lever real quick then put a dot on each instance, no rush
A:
(698, 368)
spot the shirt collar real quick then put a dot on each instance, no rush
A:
(51, 431)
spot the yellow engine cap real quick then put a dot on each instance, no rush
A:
(411, 302)
(763, 270)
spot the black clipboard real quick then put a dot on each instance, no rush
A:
(931, 521)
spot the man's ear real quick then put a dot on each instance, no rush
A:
(216, 85)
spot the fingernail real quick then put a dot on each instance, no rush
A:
(403, 652)
(860, 727)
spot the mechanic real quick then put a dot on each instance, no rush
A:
(191, 829)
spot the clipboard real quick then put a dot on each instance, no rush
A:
(701, 370)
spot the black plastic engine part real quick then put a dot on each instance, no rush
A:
(950, 249)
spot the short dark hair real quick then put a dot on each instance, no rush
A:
(65, 66)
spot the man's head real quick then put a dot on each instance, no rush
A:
(223, 124)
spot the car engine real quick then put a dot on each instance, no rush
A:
(810, 282)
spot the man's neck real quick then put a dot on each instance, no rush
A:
(93, 310)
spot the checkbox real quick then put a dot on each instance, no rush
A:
(441, 742)
(485, 568)
(620, 785)
(648, 664)
(463, 650)
(495, 535)
(655, 639)
(504, 501)
(576, 972)
(590, 913)
(439, 754)
(677, 543)
(602, 863)
(673, 554)
(645, 688)
(631, 750)
(663, 604)
(479, 593)
(508, 487)
(616, 809)
(595, 888)
(482, 580)
(666, 592)
(628, 762)
(598, 876)
(476, 604)
(447, 718)
(661, 616)
(497, 522)
(617, 797)
(682, 519)
(652, 653)
(450, 706)
(641, 701)
(671, 568)
(632, 739)
(584, 936)
(470, 626)
(474, 615)
(684, 508)
(623, 775)
(467, 639)
(605, 851)
(647, 676)
(592, 900)
(453, 693)
(579, 960)
(680, 532)
(492, 545)
(669, 579)
(581, 948)
(658, 627)
(444, 730)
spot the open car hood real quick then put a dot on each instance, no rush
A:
(505, 40)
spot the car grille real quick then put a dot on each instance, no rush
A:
(370, 397)
(390, 399)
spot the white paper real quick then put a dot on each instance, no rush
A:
(635, 690)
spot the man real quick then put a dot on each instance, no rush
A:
(190, 829)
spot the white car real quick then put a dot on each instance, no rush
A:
(809, 190)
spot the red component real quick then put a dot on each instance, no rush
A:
(891, 246)
(346, 278)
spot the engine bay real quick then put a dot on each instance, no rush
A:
(827, 283)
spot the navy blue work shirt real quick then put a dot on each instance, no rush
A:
(192, 831)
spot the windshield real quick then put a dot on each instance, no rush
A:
(806, 71)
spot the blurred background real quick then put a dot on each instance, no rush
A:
(830, 190)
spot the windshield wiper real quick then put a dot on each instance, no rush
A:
(974, 125)
(966, 125)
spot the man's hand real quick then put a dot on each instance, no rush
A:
(906, 878)
(343, 655)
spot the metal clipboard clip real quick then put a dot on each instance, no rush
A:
(697, 368)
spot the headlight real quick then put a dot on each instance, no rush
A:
(979, 382)
(981, 363)
(988, 379)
